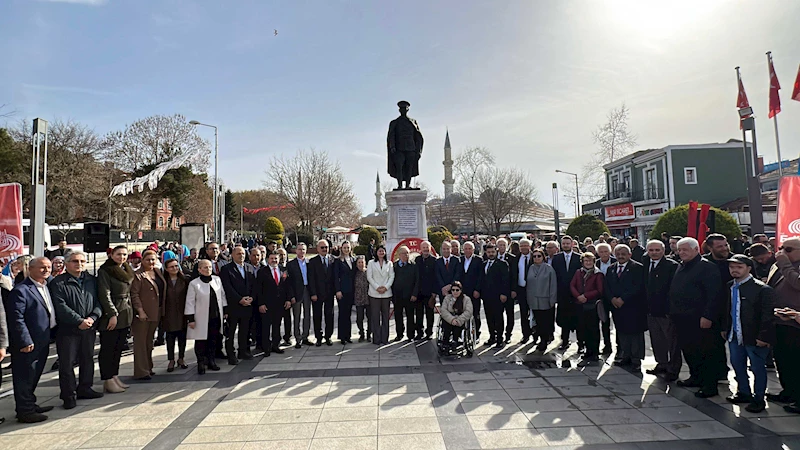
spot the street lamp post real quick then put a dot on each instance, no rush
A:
(577, 194)
(215, 207)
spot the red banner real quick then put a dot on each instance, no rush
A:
(788, 209)
(10, 222)
(413, 245)
(620, 212)
(265, 209)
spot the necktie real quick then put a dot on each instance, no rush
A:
(447, 264)
(488, 266)
(619, 271)
(275, 275)
(325, 261)
(526, 261)
(216, 268)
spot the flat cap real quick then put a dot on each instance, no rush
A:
(742, 259)
(402, 103)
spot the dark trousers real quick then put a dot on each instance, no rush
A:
(318, 307)
(345, 312)
(111, 345)
(758, 365)
(697, 346)
(524, 310)
(287, 324)
(545, 323)
(421, 309)
(606, 329)
(566, 317)
(205, 349)
(361, 313)
(255, 328)
(494, 318)
(509, 310)
(172, 337)
(476, 314)
(631, 347)
(589, 331)
(787, 360)
(75, 347)
(271, 329)
(664, 340)
(402, 308)
(240, 319)
(27, 370)
(449, 329)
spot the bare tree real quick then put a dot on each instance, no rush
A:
(613, 140)
(6, 114)
(506, 198)
(468, 165)
(317, 189)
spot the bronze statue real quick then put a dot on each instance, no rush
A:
(404, 147)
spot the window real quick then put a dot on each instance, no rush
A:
(614, 185)
(161, 204)
(690, 175)
(650, 190)
(160, 222)
(626, 181)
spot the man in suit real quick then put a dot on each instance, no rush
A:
(31, 318)
(663, 337)
(299, 278)
(565, 264)
(470, 273)
(603, 262)
(254, 263)
(551, 247)
(519, 293)
(272, 289)
(625, 296)
(694, 310)
(495, 291)
(238, 281)
(426, 265)
(513, 275)
(405, 289)
(322, 289)
(3, 335)
(446, 269)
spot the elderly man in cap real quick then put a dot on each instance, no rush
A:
(404, 145)
(785, 279)
(749, 329)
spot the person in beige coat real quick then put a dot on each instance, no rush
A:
(205, 311)
(380, 274)
(147, 297)
(455, 312)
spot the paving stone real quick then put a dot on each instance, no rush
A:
(532, 393)
(484, 396)
(651, 401)
(499, 421)
(520, 438)
(519, 383)
(584, 391)
(346, 429)
(273, 432)
(219, 434)
(617, 417)
(640, 432)
(475, 385)
(587, 403)
(422, 441)
(497, 407)
(675, 414)
(575, 436)
(405, 426)
(545, 405)
(111, 439)
(345, 443)
(358, 413)
(296, 444)
(714, 430)
(558, 419)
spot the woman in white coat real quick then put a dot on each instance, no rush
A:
(205, 310)
(380, 274)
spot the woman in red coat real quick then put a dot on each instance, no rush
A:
(587, 290)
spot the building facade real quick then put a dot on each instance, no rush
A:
(645, 184)
(164, 218)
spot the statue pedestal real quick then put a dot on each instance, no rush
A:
(405, 217)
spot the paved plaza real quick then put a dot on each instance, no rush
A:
(401, 396)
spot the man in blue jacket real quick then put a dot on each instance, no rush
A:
(30, 319)
(77, 308)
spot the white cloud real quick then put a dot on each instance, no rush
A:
(79, 2)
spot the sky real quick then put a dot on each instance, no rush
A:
(529, 80)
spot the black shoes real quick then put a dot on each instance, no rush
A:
(780, 398)
(278, 350)
(361, 337)
(524, 340)
(232, 361)
(689, 383)
(43, 409)
(306, 342)
(623, 363)
(706, 394)
(201, 368)
(398, 338)
(318, 343)
(298, 345)
(89, 394)
(70, 403)
(328, 342)
(491, 341)
(213, 366)
(542, 347)
(656, 371)
(500, 344)
(33, 417)
(246, 356)
(669, 377)
(794, 408)
(739, 399)
(756, 406)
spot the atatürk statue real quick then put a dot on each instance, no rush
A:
(405, 147)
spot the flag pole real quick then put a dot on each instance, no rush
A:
(770, 66)
(747, 174)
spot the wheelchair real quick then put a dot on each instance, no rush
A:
(465, 344)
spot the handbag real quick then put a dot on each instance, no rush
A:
(601, 311)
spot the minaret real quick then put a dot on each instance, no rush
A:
(448, 167)
(378, 194)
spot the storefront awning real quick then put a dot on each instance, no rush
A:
(644, 222)
(618, 224)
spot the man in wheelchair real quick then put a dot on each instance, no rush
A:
(455, 313)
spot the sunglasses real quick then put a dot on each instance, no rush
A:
(538, 256)
(324, 247)
(455, 290)
(786, 249)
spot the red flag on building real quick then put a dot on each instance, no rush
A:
(788, 209)
(774, 87)
(796, 91)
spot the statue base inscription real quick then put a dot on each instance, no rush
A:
(405, 217)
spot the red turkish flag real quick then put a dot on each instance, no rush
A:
(741, 100)
(796, 91)
(774, 87)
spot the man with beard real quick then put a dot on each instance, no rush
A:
(719, 254)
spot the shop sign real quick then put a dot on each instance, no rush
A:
(624, 211)
(652, 210)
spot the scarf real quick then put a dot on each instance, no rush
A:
(124, 273)
(588, 272)
(458, 306)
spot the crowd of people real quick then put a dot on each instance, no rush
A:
(241, 300)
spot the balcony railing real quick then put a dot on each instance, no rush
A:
(651, 193)
(619, 193)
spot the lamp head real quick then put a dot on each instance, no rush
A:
(194, 122)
